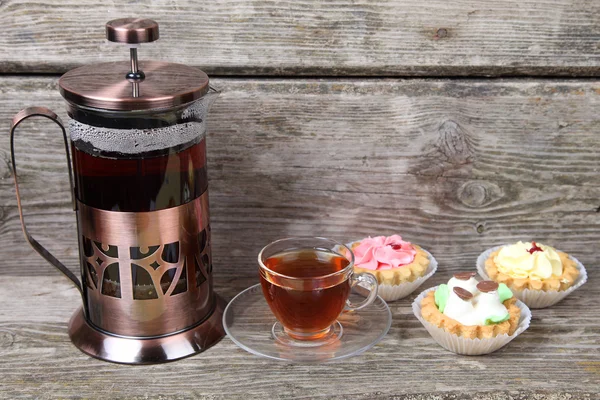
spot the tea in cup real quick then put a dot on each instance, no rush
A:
(307, 282)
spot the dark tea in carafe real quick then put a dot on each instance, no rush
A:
(137, 170)
(313, 301)
(146, 182)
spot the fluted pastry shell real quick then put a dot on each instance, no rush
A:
(432, 314)
(463, 345)
(555, 283)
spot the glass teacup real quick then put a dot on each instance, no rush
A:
(306, 282)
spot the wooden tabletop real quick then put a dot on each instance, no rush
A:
(558, 357)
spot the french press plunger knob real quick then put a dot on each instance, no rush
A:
(132, 31)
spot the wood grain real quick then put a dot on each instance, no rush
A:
(558, 357)
(348, 37)
(457, 166)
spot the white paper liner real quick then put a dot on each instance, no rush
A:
(536, 298)
(397, 292)
(470, 347)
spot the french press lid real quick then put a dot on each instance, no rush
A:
(134, 85)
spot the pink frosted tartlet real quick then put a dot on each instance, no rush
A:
(399, 266)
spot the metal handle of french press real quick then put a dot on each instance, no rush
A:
(18, 118)
(131, 31)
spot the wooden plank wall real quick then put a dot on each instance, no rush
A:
(341, 38)
(456, 164)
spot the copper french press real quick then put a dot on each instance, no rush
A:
(140, 192)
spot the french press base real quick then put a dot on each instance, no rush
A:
(131, 350)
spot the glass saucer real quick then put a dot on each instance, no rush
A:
(250, 324)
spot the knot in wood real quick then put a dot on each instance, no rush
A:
(454, 143)
(6, 167)
(7, 339)
(452, 150)
(478, 194)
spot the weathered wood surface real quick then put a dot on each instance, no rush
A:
(558, 357)
(348, 37)
(457, 166)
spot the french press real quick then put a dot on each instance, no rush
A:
(140, 192)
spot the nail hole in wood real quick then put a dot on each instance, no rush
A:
(480, 228)
(440, 34)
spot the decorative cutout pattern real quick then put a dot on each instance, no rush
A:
(139, 269)
(101, 261)
(143, 286)
(111, 281)
(156, 271)
(137, 253)
(202, 261)
(170, 252)
(167, 279)
(92, 283)
(181, 285)
(200, 278)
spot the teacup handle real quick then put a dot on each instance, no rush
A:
(372, 284)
